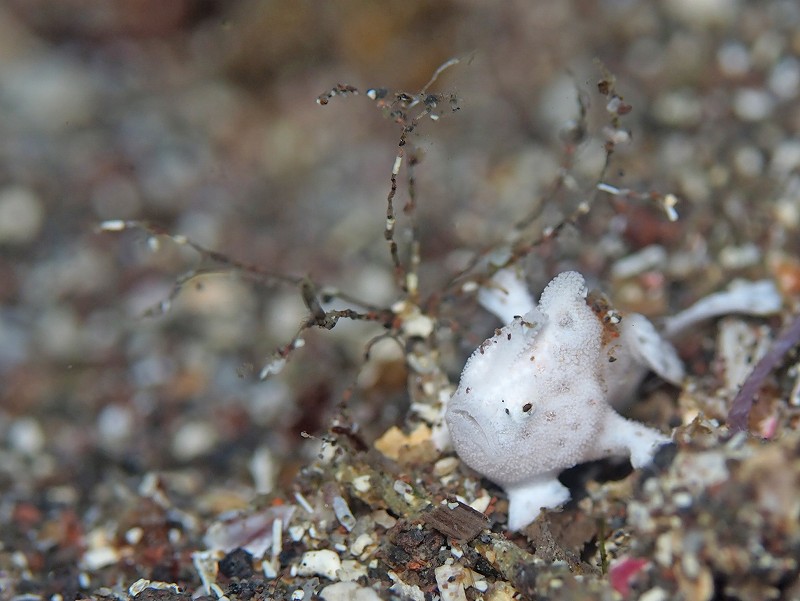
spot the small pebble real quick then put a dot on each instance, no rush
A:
(786, 157)
(445, 466)
(193, 439)
(26, 436)
(21, 215)
(263, 469)
(348, 591)
(752, 104)
(319, 563)
(680, 108)
(734, 59)
(784, 81)
(703, 12)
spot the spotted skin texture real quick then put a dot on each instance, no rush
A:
(533, 401)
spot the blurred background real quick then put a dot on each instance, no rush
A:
(200, 117)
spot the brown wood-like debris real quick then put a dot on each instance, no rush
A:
(457, 521)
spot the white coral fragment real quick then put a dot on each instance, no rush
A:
(323, 562)
(450, 581)
(649, 348)
(749, 298)
(348, 591)
(253, 533)
(506, 295)
(639, 349)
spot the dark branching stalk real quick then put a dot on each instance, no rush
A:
(408, 110)
(215, 263)
(575, 134)
(397, 106)
(206, 255)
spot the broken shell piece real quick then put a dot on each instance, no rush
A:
(143, 584)
(749, 298)
(506, 295)
(450, 580)
(253, 533)
(623, 570)
(739, 346)
(650, 349)
(342, 511)
(404, 590)
(348, 591)
(319, 563)
(394, 443)
(639, 349)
